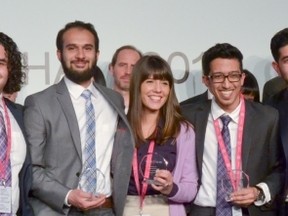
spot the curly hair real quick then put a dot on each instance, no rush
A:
(15, 66)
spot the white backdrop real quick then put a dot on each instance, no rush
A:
(179, 31)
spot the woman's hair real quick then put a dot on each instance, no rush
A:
(250, 86)
(153, 66)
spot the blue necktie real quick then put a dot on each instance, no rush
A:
(223, 208)
(89, 172)
(3, 154)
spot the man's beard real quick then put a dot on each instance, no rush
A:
(122, 86)
(76, 76)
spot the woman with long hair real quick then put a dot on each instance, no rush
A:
(164, 174)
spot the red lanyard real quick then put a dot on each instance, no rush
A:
(221, 144)
(146, 172)
(8, 129)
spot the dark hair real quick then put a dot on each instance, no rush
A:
(250, 86)
(115, 56)
(224, 50)
(15, 66)
(98, 76)
(157, 68)
(80, 25)
(279, 40)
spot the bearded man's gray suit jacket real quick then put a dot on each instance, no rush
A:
(54, 142)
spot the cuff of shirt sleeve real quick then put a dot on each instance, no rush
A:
(266, 192)
(174, 190)
(66, 199)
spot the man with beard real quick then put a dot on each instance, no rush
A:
(121, 68)
(79, 138)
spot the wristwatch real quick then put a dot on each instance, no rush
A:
(260, 195)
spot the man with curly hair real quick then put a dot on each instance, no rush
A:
(15, 172)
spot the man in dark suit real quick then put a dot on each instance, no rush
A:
(272, 87)
(196, 99)
(253, 141)
(15, 163)
(279, 50)
(62, 122)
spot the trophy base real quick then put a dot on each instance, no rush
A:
(151, 181)
(228, 198)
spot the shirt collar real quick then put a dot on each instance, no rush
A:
(1, 101)
(217, 111)
(76, 90)
(210, 95)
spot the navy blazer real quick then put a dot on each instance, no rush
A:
(280, 102)
(196, 99)
(25, 175)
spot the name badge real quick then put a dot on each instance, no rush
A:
(5, 199)
(143, 215)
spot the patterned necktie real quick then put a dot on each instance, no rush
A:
(3, 154)
(3, 150)
(89, 172)
(223, 208)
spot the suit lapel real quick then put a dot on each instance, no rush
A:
(108, 96)
(201, 123)
(68, 110)
(249, 126)
(121, 115)
(283, 107)
(16, 112)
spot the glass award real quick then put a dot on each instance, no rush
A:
(234, 181)
(154, 161)
(100, 181)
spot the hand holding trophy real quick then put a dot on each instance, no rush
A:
(99, 181)
(148, 166)
(234, 181)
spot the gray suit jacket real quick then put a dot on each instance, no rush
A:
(54, 141)
(260, 150)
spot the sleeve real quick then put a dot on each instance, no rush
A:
(275, 177)
(45, 185)
(185, 175)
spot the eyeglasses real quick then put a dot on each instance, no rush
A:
(233, 76)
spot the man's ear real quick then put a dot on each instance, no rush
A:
(97, 55)
(59, 55)
(111, 69)
(205, 80)
(275, 65)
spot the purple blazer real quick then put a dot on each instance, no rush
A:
(185, 173)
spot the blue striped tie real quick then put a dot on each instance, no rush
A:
(223, 208)
(89, 151)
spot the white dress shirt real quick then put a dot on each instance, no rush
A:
(106, 124)
(17, 156)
